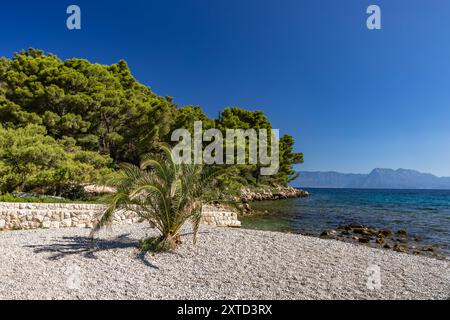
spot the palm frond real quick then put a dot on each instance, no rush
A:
(164, 193)
(106, 216)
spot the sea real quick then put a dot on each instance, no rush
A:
(425, 214)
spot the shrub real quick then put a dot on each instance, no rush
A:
(31, 161)
(163, 193)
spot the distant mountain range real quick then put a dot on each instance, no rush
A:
(377, 179)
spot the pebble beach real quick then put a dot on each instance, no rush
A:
(225, 264)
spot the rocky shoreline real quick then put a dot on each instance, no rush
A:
(274, 193)
(359, 234)
(382, 238)
(267, 194)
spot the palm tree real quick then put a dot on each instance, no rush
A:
(165, 194)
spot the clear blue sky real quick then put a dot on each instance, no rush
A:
(353, 99)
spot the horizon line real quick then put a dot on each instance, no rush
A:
(334, 171)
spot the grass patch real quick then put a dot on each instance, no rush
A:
(12, 198)
(155, 244)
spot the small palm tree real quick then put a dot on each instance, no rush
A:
(164, 193)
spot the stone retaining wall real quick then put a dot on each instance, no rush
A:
(220, 217)
(17, 216)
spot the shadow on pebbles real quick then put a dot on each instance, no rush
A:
(225, 264)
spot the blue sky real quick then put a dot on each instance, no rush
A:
(353, 99)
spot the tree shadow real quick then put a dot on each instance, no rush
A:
(87, 247)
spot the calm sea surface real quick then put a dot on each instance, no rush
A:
(423, 213)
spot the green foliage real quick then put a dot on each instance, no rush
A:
(164, 193)
(237, 118)
(72, 117)
(102, 107)
(288, 158)
(7, 197)
(186, 116)
(30, 160)
(155, 244)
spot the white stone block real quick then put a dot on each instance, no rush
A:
(66, 223)
(55, 224)
(46, 224)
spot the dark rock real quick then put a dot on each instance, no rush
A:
(417, 251)
(247, 208)
(358, 230)
(386, 232)
(400, 248)
(328, 233)
(386, 246)
(379, 240)
(402, 232)
(364, 240)
(364, 231)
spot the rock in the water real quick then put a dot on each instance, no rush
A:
(364, 240)
(400, 248)
(379, 240)
(402, 232)
(346, 228)
(358, 230)
(386, 232)
(328, 233)
(246, 208)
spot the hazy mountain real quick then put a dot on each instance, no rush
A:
(377, 179)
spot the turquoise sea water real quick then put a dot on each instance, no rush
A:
(423, 213)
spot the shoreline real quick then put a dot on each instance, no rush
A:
(411, 222)
(425, 250)
(225, 264)
(271, 194)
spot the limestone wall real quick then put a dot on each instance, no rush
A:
(220, 217)
(17, 216)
